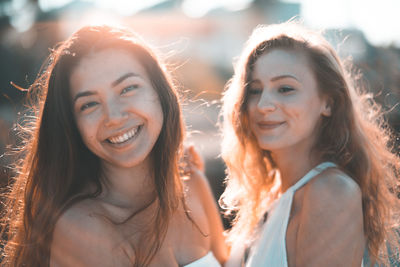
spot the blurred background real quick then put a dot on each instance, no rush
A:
(201, 38)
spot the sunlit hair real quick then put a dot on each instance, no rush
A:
(355, 137)
(56, 168)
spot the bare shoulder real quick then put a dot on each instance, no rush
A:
(332, 187)
(330, 230)
(85, 216)
(83, 236)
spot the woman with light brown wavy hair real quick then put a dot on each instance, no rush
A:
(98, 182)
(310, 169)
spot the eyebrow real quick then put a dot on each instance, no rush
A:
(123, 77)
(82, 94)
(283, 77)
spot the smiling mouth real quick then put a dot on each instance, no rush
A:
(125, 137)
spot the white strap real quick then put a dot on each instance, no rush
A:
(311, 174)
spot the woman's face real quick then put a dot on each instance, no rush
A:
(116, 108)
(283, 103)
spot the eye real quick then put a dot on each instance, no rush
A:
(129, 88)
(88, 105)
(285, 89)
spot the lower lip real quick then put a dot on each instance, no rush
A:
(127, 142)
(270, 126)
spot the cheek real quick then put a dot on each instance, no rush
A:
(303, 117)
(251, 110)
(159, 117)
(153, 108)
(294, 112)
(86, 134)
(297, 114)
(299, 109)
(157, 110)
(86, 129)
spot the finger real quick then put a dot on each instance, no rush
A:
(196, 158)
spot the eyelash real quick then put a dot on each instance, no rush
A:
(282, 89)
(285, 89)
(129, 88)
(88, 105)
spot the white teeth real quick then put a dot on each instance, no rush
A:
(124, 137)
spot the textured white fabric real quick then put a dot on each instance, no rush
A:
(207, 261)
(270, 248)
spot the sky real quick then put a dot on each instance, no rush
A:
(377, 19)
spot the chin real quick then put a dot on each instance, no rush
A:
(269, 145)
(273, 147)
(127, 163)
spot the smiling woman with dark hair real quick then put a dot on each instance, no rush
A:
(99, 182)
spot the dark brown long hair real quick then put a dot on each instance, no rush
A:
(55, 166)
(355, 137)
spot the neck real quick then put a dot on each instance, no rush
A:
(293, 164)
(128, 188)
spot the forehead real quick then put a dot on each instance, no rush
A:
(101, 68)
(281, 61)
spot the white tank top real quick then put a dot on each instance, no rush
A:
(270, 248)
(207, 261)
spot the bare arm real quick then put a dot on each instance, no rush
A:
(201, 186)
(330, 231)
(218, 246)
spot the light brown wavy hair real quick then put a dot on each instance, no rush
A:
(356, 137)
(55, 168)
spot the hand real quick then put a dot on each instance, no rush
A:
(192, 160)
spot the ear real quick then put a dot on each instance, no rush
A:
(326, 110)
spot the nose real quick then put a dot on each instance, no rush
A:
(267, 102)
(114, 114)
